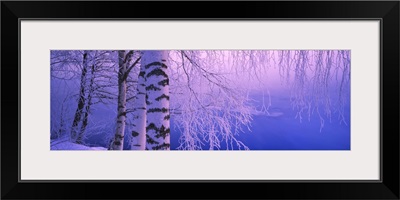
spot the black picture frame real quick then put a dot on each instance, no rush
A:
(385, 11)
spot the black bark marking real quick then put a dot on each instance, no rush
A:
(118, 140)
(162, 132)
(151, 126)
(142, 73)
(166, 117)
(163, 146)
(163, 110)
(147, 100)
(150, 140)
(163, 96)
(121, 114)
(135, 134)
(157, 72)
(164, 82)
(152, 87)
(119, 137)
(156, 64)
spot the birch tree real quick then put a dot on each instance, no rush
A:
(124, 58)
(88, 77)
(121, 114)
(87, 107)
(139, 116)
(157, 99)
(81, 97)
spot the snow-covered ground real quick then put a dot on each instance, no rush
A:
(67, 145)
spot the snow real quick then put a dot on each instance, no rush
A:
(67, 145)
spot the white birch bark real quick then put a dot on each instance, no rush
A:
(139, 122)
(118, 142)
(90, 91)
(157, 100)
(82, 98)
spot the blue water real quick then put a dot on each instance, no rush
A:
(267, 133)
(287, 133)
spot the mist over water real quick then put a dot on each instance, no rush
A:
(287, 111)
(279, 129)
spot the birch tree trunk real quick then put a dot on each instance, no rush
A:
(80, 138)
(81, 100)
(118, 141)
(139, 121)
(157, 100)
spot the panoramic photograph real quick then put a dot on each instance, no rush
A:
(200, 100)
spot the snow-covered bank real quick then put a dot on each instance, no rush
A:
(67, 145)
